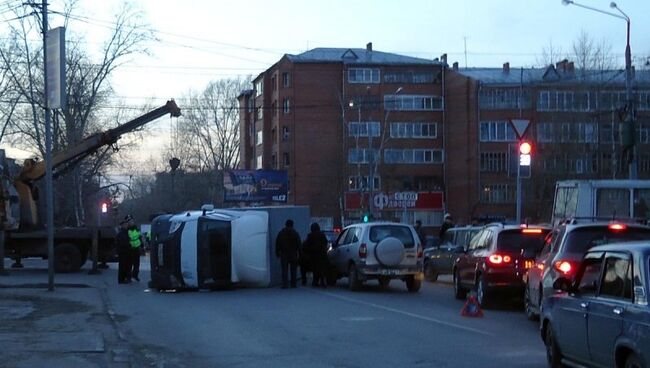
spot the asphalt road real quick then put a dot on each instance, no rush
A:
(315, 327)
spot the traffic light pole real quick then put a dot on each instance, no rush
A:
(518, 191)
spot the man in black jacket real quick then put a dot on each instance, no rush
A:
(287, 247)
(124, 252)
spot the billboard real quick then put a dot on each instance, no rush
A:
(255, 186)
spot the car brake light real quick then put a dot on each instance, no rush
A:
(499, 259)
(531, 231)
(540, 266)
(617, 227)
(564, 267)
(363, 250)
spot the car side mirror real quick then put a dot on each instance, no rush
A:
(562, 284)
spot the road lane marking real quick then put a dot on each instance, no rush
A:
(405, 313)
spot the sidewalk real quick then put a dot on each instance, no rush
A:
(71, 326)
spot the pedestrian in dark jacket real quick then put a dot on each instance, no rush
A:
(315, 246)
(447, 224)
(124, 252)
(287, 248)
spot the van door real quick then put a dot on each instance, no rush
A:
(251, 249)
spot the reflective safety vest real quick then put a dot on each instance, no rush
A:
(134, 238)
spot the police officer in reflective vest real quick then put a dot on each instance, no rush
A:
(135, 239)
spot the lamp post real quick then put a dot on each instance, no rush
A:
(630, 116)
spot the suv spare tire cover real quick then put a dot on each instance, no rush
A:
(389, 251)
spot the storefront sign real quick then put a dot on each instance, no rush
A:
(395, 200)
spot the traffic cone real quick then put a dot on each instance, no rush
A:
(471, 307)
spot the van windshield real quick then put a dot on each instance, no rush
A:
(581, 240)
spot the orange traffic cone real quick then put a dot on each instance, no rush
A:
(471, 307)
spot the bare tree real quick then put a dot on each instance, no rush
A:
(88, 90)
(551, 53)
(208, 137)
(592, 55)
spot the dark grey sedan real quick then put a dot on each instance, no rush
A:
(602, 319)
(439, 259)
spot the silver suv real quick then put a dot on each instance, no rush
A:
(377, 251)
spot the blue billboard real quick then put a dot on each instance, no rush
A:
(255, 186)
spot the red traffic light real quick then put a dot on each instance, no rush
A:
(525, 148)
(104, 207)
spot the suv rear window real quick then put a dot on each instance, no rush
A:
(403, 233)
(580, 240)
(513, 241)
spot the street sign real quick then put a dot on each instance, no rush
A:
(520, 126)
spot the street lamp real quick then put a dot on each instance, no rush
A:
(630, 116)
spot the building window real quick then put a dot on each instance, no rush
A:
(612, 100)
(259, 162)
(260, 137)
(571, 163)
(274, 83)
(497, 131)
(286, 106)
(286, 79)
(413, 130)
(493, 162)
(643, 132)
(274, 161)
(363, 75)
(251, 105)
(285, 133)
(363, 129)
(644, 163)
(498, 193)
(504, 98)
(643, 100)
(567, 132)
(410, 77)
(610, 133)
(357, 183)
(412, 103)
(259, 87)
(285, 159)
(259, 113)
(413, 156)
(362, 155)
(565, 101)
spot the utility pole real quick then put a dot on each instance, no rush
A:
(49, 198)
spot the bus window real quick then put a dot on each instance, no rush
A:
(566, 202)
(613, 202)
(641, 198)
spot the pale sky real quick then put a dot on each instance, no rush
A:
(204, 40)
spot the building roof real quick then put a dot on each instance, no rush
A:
(357, 56)
(551, 74)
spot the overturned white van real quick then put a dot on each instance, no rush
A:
(220, 248)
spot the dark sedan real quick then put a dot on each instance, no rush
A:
(602, 318)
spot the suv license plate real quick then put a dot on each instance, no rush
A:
(390, 272)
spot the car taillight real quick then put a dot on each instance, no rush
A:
(540, 266)
(565, 267)
(499, 259)
(363, 250)
(616, 227)
(420, 252)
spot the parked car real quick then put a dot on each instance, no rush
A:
(563, 251)
(377, 250)
(496, 260)
(602, 318)
(439, 260)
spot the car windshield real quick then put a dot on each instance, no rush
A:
(581, 240)
(403, 233)
(513, 241)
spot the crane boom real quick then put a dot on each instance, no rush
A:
(36, 170)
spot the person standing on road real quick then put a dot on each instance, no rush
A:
(316, 246)
(420, 232)
(124, 252)
(135, 240)
(287, 247)
(446, 225)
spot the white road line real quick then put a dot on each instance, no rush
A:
(409, 314)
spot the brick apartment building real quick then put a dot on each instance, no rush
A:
(576, 128)
(349, 125)
(361, 131)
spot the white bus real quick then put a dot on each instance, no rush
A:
(601, 199)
